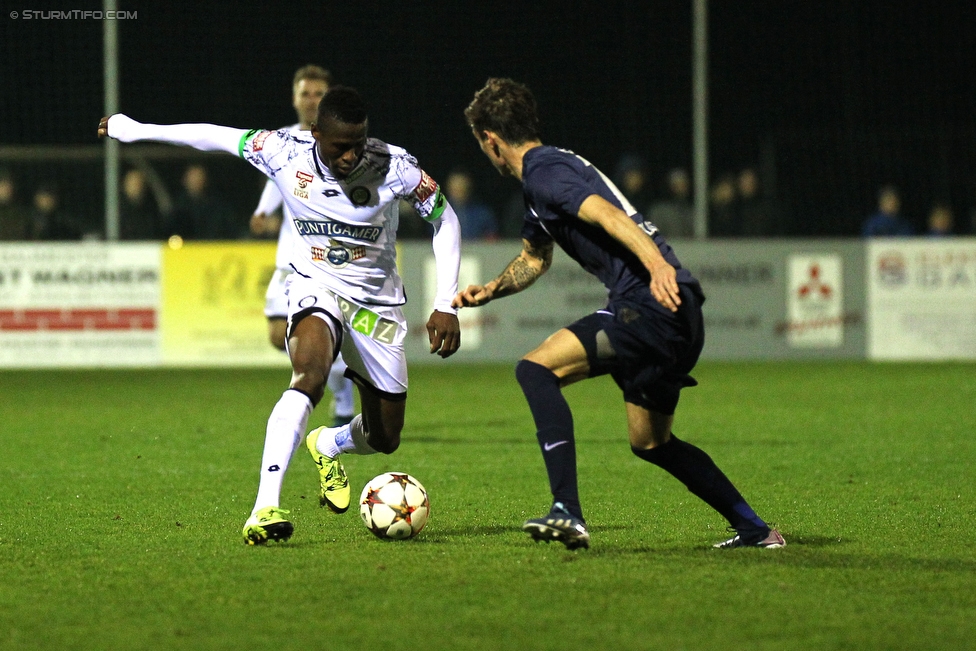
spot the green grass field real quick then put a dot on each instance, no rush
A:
(122, 496)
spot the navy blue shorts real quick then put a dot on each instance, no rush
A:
(647, 350)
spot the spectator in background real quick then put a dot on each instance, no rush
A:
(887, 221)
(723, 208)
(675, 216)
(756, 217)
(200, 214)
(478, 221)
(48, 221)
(14, 217)
(139, 216)
(631, 179)
(940, 221)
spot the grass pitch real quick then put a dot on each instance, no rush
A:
(122, 496)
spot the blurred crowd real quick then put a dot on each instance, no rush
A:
(738, 206)
(888, 221)
(147, 210)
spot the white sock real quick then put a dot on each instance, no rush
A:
(284, 434)
(356, 441)
(349, 438)
(342, 388)
(326, 443)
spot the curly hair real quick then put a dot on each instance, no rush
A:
(507, 108)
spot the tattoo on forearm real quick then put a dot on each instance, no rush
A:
(521, 272)
(541, 253)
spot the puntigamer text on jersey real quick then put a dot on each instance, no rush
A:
(338, 229)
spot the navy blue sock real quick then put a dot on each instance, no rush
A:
(696, 470)
(554, 429)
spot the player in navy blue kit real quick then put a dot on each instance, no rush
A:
(648, 337)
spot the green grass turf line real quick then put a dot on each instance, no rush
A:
(122, 495)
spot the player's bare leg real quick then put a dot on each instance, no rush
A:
(340, 386)
(383, 420)
(564, 355)
(310, 346)
(277, 326)
(651, 439)
(646, 428)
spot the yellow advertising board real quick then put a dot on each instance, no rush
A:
(213, 304)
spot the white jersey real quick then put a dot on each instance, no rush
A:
(344, 230)
(271, 201)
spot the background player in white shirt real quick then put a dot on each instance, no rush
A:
(309, 85)
(343, 190)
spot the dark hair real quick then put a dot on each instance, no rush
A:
(504, 107)
(317, 73)
(344, 104)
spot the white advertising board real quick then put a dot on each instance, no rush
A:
(91, 304)
(815, 301)
(922, 299)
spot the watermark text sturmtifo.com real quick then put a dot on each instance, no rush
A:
(73, 14)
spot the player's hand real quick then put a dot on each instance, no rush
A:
(664, 286)
(103, 128)
(265, 225)
(472, 296)
(259, 224)
(444, 333)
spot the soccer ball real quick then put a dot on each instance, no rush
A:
(394, 505)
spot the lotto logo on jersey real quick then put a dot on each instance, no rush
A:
(425, 188)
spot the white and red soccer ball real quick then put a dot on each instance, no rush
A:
(394, 506)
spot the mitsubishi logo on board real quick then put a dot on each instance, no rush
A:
(815, 308)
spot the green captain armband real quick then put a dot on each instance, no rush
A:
(247, 136)
(439, 203)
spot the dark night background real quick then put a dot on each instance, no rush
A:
(829, 99)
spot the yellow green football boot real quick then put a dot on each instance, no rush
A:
(267, 524)
(333, 483)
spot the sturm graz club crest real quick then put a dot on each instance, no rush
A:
(338, 256)
(360, 196)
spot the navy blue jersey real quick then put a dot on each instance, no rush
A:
(555, 182)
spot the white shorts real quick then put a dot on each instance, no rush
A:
(372, 336)
(275, 299)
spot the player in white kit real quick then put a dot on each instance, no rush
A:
(309, 85)
(345, 293)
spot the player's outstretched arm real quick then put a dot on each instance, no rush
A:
(205, 137)
(443, 329)
(532, 262)
(664, 284)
